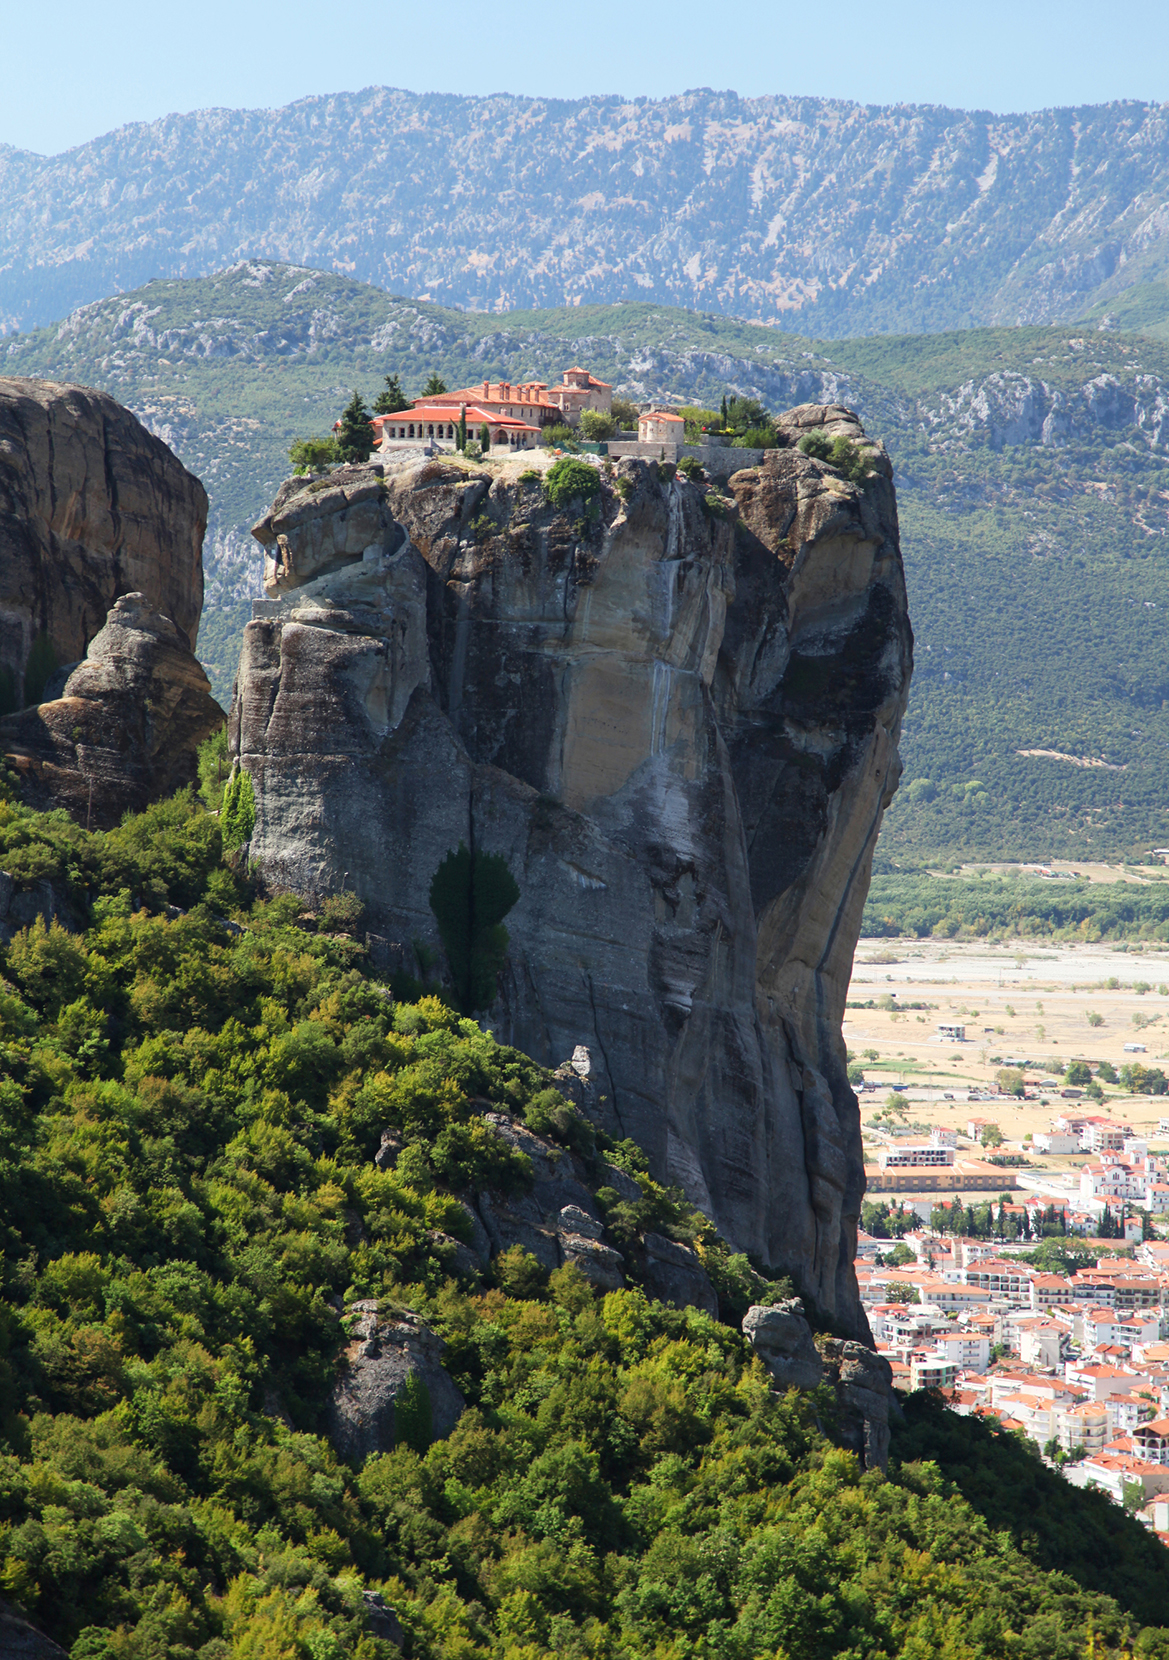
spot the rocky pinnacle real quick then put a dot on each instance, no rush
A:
(674, 711)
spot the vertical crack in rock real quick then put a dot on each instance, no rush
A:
(676, 723)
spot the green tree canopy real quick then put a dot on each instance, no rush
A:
(312, 455)
(435, 387)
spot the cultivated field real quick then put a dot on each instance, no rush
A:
(1037, 1004)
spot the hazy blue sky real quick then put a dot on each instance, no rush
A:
(82, 67)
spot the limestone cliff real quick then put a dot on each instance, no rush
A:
(675, 714)
(91, 506)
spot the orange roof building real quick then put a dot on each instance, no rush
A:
(432, 420)
(660, 426)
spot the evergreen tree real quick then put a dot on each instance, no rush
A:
(724, 412)
(391, 399)
(485, 437)
(435, 387)
(355, 439)
(461, 440)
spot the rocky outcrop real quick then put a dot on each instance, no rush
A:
(126, 726)
(861, 1380)
(21, 1640)
(20, 907)
(674, 712)
(391, 1386)
(556, 1217)
(381, 1619)
(674, 1274)
(92, 506)
(782, 1338)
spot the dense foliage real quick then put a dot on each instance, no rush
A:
(917, 904)
(192, 1088)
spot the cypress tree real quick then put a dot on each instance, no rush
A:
(355, 439)
(461, 440)
(391, 400)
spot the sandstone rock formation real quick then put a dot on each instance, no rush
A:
(387, 1359)
(126, 727)
(92, 506)
(674, 713)
(861, 1380)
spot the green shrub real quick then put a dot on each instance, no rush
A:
(214, 761)
(238, 814)
(341, 912)
(816, 444)
(561, 438)
(568, 480)
(690, 467)
(852, 461)
(520, 1274)
(311, 455)
(597, 427)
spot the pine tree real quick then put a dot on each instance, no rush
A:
(391, 400)
(355, 439)
(435, 387)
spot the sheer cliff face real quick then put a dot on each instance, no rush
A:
(92, 506)
(676, 720)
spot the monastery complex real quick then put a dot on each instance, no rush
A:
(515, 415)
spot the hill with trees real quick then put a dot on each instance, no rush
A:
(193, 1086)
(816, 215)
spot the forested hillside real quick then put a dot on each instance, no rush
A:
(1031, 467)
(193, 1087)
(815, 214)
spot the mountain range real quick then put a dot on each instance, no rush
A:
(1032, 472)
(817, 215)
